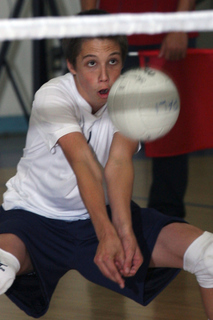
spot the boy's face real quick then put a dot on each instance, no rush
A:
(97, 67)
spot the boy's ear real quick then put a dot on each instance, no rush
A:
(71, 68)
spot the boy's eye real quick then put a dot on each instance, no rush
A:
(91, 63)
(113, 61)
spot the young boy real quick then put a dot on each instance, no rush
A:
(69, 204)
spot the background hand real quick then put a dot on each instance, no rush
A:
(174, 46)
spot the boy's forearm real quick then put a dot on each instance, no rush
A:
(92, 193)
(119, 180)
(89, 178)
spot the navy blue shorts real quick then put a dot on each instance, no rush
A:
(56, 247)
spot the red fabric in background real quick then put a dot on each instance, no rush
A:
(142, 6)
(193, 77)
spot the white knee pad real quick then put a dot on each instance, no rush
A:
(198, 259)
(9, 266)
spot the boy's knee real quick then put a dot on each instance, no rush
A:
(198, 259)
(9, 266)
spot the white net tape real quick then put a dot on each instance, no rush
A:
(74, 26)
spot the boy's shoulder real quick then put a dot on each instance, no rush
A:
(59, 88)
(60, 81)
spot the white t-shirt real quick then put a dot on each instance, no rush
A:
(45, 182)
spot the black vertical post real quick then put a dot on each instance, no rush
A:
(39, 51)
(6, 44)
(53, 8)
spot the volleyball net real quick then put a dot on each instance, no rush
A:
(128, 24)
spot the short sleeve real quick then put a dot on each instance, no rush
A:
(54, 114)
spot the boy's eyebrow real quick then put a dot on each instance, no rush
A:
(116, 52)
(88, 56)
(93, 55)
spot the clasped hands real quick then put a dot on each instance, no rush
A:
(118, 256)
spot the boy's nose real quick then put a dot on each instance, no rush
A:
(103, 74)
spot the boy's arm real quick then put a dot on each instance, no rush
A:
(110, 254)
(88, 4)
(119, 175)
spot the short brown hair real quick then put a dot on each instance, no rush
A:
(72, 46)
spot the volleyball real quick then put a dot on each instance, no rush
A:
(144, 104)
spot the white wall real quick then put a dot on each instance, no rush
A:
(20, 59)
(20, 55)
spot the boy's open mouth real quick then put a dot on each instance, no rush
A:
(104, 91)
